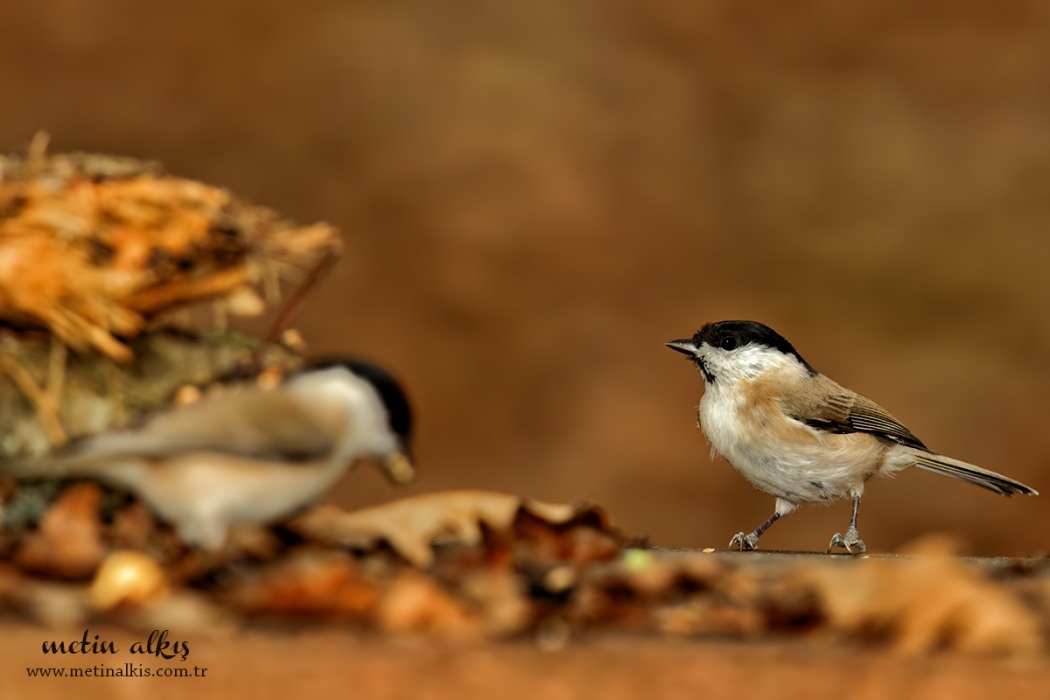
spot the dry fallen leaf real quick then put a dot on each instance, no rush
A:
(582, 537)
(133, 526)
(927, 601)
(68, 543)
(501, 595)
(309, 583)
(411, 525)
(415, 603)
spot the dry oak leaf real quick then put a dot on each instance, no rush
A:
(923, 602)
(133, 527)
(310, 583)
(586, 537)
(410, 525)
(414, 603)
(68, 543)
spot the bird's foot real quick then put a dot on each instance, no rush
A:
(851, 542)
(745, 543)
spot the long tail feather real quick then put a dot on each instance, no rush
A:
(984, 478)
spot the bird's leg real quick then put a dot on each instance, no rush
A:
(748, 543)
(851, 542)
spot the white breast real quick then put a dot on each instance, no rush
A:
(777, 454)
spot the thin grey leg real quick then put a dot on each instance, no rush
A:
(748, 543)
(851, 541)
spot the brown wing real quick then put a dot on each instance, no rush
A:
(264, 424)
(838, 410)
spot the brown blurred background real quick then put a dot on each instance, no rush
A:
(536, 195)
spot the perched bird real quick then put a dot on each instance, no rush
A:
(800, 436)
(251, 456)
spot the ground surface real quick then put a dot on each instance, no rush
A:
(327, 663)
(311, 660)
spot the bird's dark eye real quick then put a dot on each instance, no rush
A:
(728, 343)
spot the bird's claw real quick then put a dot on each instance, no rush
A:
(745, 543)
(851, 542)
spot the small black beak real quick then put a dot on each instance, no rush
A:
(686, 346)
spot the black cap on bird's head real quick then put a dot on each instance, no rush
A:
(730, 335)
(397, 465)
(391, 393)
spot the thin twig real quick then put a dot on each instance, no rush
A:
(271, 282)
(56, 370)
(292, 307)
(46, 409)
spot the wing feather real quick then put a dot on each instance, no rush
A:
(836, 409)
(276, 425)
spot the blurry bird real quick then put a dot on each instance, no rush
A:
(798, 435)
(252, 456)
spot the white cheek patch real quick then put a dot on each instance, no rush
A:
(751, 370)
(747, 362)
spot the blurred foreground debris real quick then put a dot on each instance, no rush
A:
(136, 272)
(98, 394)
(410, 525)
(93, 248)
(476, 565)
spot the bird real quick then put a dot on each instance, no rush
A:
(798, 435)
(250, 456)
